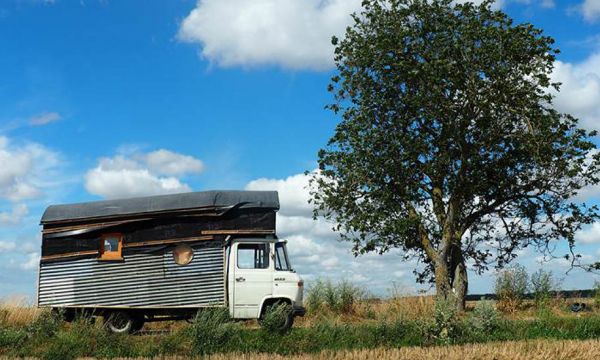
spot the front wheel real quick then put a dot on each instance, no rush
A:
(277, 317)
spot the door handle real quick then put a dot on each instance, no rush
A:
(240, 279)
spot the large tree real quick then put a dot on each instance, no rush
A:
(448, 146)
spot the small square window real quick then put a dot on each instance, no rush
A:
(110, 247)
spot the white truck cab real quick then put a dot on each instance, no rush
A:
(260, 275)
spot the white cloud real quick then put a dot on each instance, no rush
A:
(293, 192)
(15, 216)
(32, 262)
(44, 118)
(119, 177)
(589, 235)
(548, 4)
(294, 34)
(315, 250)
(141, 174)
(7, 246)
(171, 163)
(580, 90)
(23, 169)
(590, 9)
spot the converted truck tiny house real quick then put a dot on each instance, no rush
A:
(167, 257)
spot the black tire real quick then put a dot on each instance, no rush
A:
(286, 322)
(120, 322)
(138, 323)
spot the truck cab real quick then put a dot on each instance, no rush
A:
(260, 276)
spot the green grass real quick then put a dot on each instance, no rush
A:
(213, 332)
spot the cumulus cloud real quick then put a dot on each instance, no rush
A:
(293, 192)
(23, 169)
(44, 118)
(293, 34)
(580, 90)
(315, 250)
(589, 235)
(590, 9)
(141, 174)
(15, 216)
(171, 163)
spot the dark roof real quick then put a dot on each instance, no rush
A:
(162, 203)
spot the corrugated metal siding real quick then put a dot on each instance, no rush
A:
(142, 280)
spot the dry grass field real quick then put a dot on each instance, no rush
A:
(17, 312)
(523, 350)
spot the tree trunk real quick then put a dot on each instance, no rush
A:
(460, 284)
(451, 280)
(442, 281)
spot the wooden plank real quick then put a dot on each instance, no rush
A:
(197, 211)
(167, 241)
(236, 232)
(72, 254)
(130, 245)
(88, 226)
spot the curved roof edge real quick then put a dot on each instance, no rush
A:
(159, 203)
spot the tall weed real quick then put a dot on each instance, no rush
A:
(542, 284)
(443, 328)
(338, 297)
(213, 331)
(511, 287)
(483, 320)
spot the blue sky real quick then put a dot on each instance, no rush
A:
(102, 99)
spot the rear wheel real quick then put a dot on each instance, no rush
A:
(122, 322)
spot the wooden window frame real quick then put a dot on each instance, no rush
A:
(111, 255)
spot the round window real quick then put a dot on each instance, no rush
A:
(183, 254)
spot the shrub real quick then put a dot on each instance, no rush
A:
(11, 337)
(213, 331)
(276, 317)
(46, 324)
(79, 339)
(597, 294)
(485, 318)
(338, 297)
(542, 284)
(511, 287)
(315, 296)
(444, 327)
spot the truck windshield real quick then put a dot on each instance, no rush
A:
(281, 259)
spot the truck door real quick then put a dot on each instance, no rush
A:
(252, 278)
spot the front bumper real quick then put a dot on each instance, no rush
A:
(298, 310)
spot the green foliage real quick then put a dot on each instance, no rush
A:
(214, 333)
(213, 330)
(447, 130)
(444, 327)
(338, 297)
(276, 317)
(46, 324)
(11, 337)
(485, 318)
(511, 287)
(542, 284)
(597, 294)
